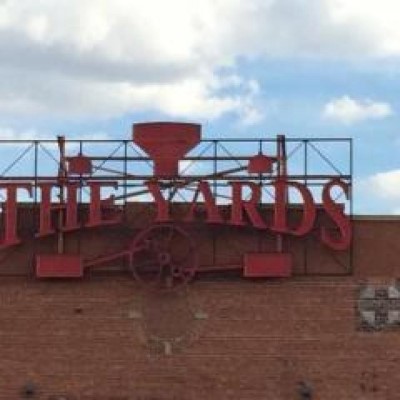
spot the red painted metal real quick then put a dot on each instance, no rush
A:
(10, 237)
(105, 258)
(166, 143)
(79, 165)
(163, 257)
(280, 223)
(341, 238)
(240, 207)
(260, 164)
(166, 247)
(58, 266)
(97, 205)
(267, 265)
(209, 205)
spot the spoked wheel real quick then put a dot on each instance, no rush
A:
(163, 257)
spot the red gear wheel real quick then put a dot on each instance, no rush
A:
(163, 257)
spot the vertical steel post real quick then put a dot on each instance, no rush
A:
(351, 208)
(80, 209)
(36, 172)
(62, 174)
(125, 178)
(260, 180)
(305, 242)
(215, 188)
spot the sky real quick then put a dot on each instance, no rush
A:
(255, 68)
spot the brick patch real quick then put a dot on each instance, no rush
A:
(379, 307)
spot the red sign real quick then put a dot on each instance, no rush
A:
(167, 144)
(243, 212)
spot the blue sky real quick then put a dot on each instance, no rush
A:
(306, 68)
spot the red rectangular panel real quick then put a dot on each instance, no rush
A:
(267, 265)
(80, 164)
(58, 266)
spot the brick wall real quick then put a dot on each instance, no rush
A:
(104, 337)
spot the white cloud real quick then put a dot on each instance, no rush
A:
(385, 185)
(379, 193)
(348, 110)
(105, 58)
(31, 134)
(378, 20)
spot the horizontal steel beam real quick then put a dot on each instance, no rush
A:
(255, 177)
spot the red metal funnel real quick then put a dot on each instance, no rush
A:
(166, 143)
